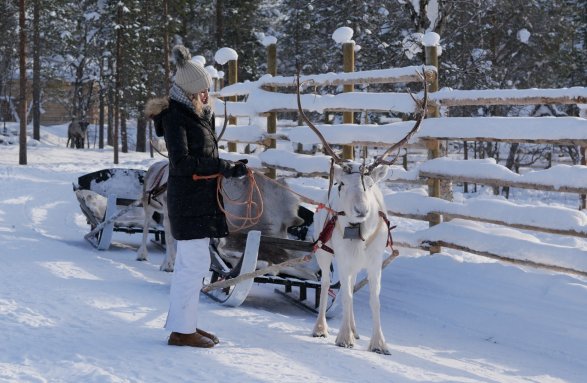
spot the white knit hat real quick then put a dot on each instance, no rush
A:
(189, 76)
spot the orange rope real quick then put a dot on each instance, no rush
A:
(196, 177)
(253, 210)
(319, 205)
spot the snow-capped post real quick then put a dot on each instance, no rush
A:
(223, 56)
(344, 35)
(214, 74)
(431, 42)
(270, 43)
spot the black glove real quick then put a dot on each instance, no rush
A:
(239, 169)
(225, 168)
(233, 169)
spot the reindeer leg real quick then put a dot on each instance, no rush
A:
(345, 336)
(324, 260)
(142, 252)
(377, 343)
(353, 324)
(170, 245)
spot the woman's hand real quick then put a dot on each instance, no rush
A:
(234, 169)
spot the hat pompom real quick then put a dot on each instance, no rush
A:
(181, 55)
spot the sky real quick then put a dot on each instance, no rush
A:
(71, 313)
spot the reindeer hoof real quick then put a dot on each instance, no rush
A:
(345, 344)
(380, 348)
(320, 331)
(141, 256)
(382, 351)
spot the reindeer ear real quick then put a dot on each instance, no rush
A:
(379, 173)
(342, 168)
(338, 172)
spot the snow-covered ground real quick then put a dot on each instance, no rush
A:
(71, 313)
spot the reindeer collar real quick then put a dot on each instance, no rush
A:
(354, 231)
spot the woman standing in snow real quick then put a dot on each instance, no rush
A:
(186, 120)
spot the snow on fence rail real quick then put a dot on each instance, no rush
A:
(534, 130)
(547, 219)
(561, 178)
(462, 232)
(450, 97)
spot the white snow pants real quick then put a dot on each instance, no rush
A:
(192, 263)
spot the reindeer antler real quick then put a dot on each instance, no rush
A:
(327, 146)
(423, 105)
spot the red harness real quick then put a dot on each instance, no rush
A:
(326, 232)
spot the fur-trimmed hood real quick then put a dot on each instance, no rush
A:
(155, 109)
(156, 106)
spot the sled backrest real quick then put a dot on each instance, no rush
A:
(126, 184)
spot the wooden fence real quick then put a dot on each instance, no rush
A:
(275, 94)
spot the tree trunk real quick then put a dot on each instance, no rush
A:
(117, 85)
(110, 138)
(22, 157)
(583, 197)
(219, 23)
(141, 132)
(78, 90)
(166, 46)
(36, 71)
(101, 107)
(123, 131)
(510, 162)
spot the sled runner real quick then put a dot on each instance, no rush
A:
(111, 201)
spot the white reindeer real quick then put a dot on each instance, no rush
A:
(359, 237)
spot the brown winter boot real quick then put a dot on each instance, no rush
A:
(192, 340)
(208, 335)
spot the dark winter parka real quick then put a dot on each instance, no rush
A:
(192, 147)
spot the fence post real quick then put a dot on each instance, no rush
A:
(223, 56)
(430, 42)
(232, 79)
(271, 44)
(220, 84)
(348, 53)
(344, 35)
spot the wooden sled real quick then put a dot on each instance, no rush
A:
(301, 292)
(121, 191)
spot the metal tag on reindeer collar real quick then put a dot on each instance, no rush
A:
(353, 231)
